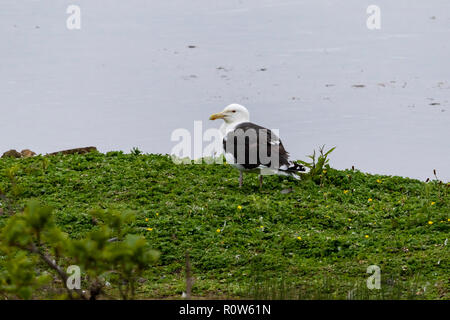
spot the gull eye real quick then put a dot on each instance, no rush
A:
(233, 111)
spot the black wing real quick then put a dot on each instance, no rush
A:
(252, 145)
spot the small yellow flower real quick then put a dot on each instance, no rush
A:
(157, 214)
(349, 219)
(262, 227)
(149, 229)
(378, 181)
(370, 200)
(366, 236)
(433, 203)
(448, 220)
(146, 219)
(430, 222)
(218, 230)
(239, 207)
(324, 171)
(345, 191)
(299, 238)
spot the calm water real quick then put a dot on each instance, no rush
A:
(129, 78)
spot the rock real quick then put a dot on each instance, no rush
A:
(26, 153)
(142, 280)
(286, 191)
(73, 151)
(12, 154)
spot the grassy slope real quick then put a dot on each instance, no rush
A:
(257, 252)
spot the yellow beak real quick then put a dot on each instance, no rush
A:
(215, 116)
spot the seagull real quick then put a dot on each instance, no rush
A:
(249, 147)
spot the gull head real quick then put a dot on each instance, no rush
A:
(233, 113)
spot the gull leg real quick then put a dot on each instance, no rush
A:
(260, 181)
(241, 179)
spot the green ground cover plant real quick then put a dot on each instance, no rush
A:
(307, 239)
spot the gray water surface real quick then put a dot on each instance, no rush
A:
(137, 70)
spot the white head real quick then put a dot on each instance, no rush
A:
(233, 113)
